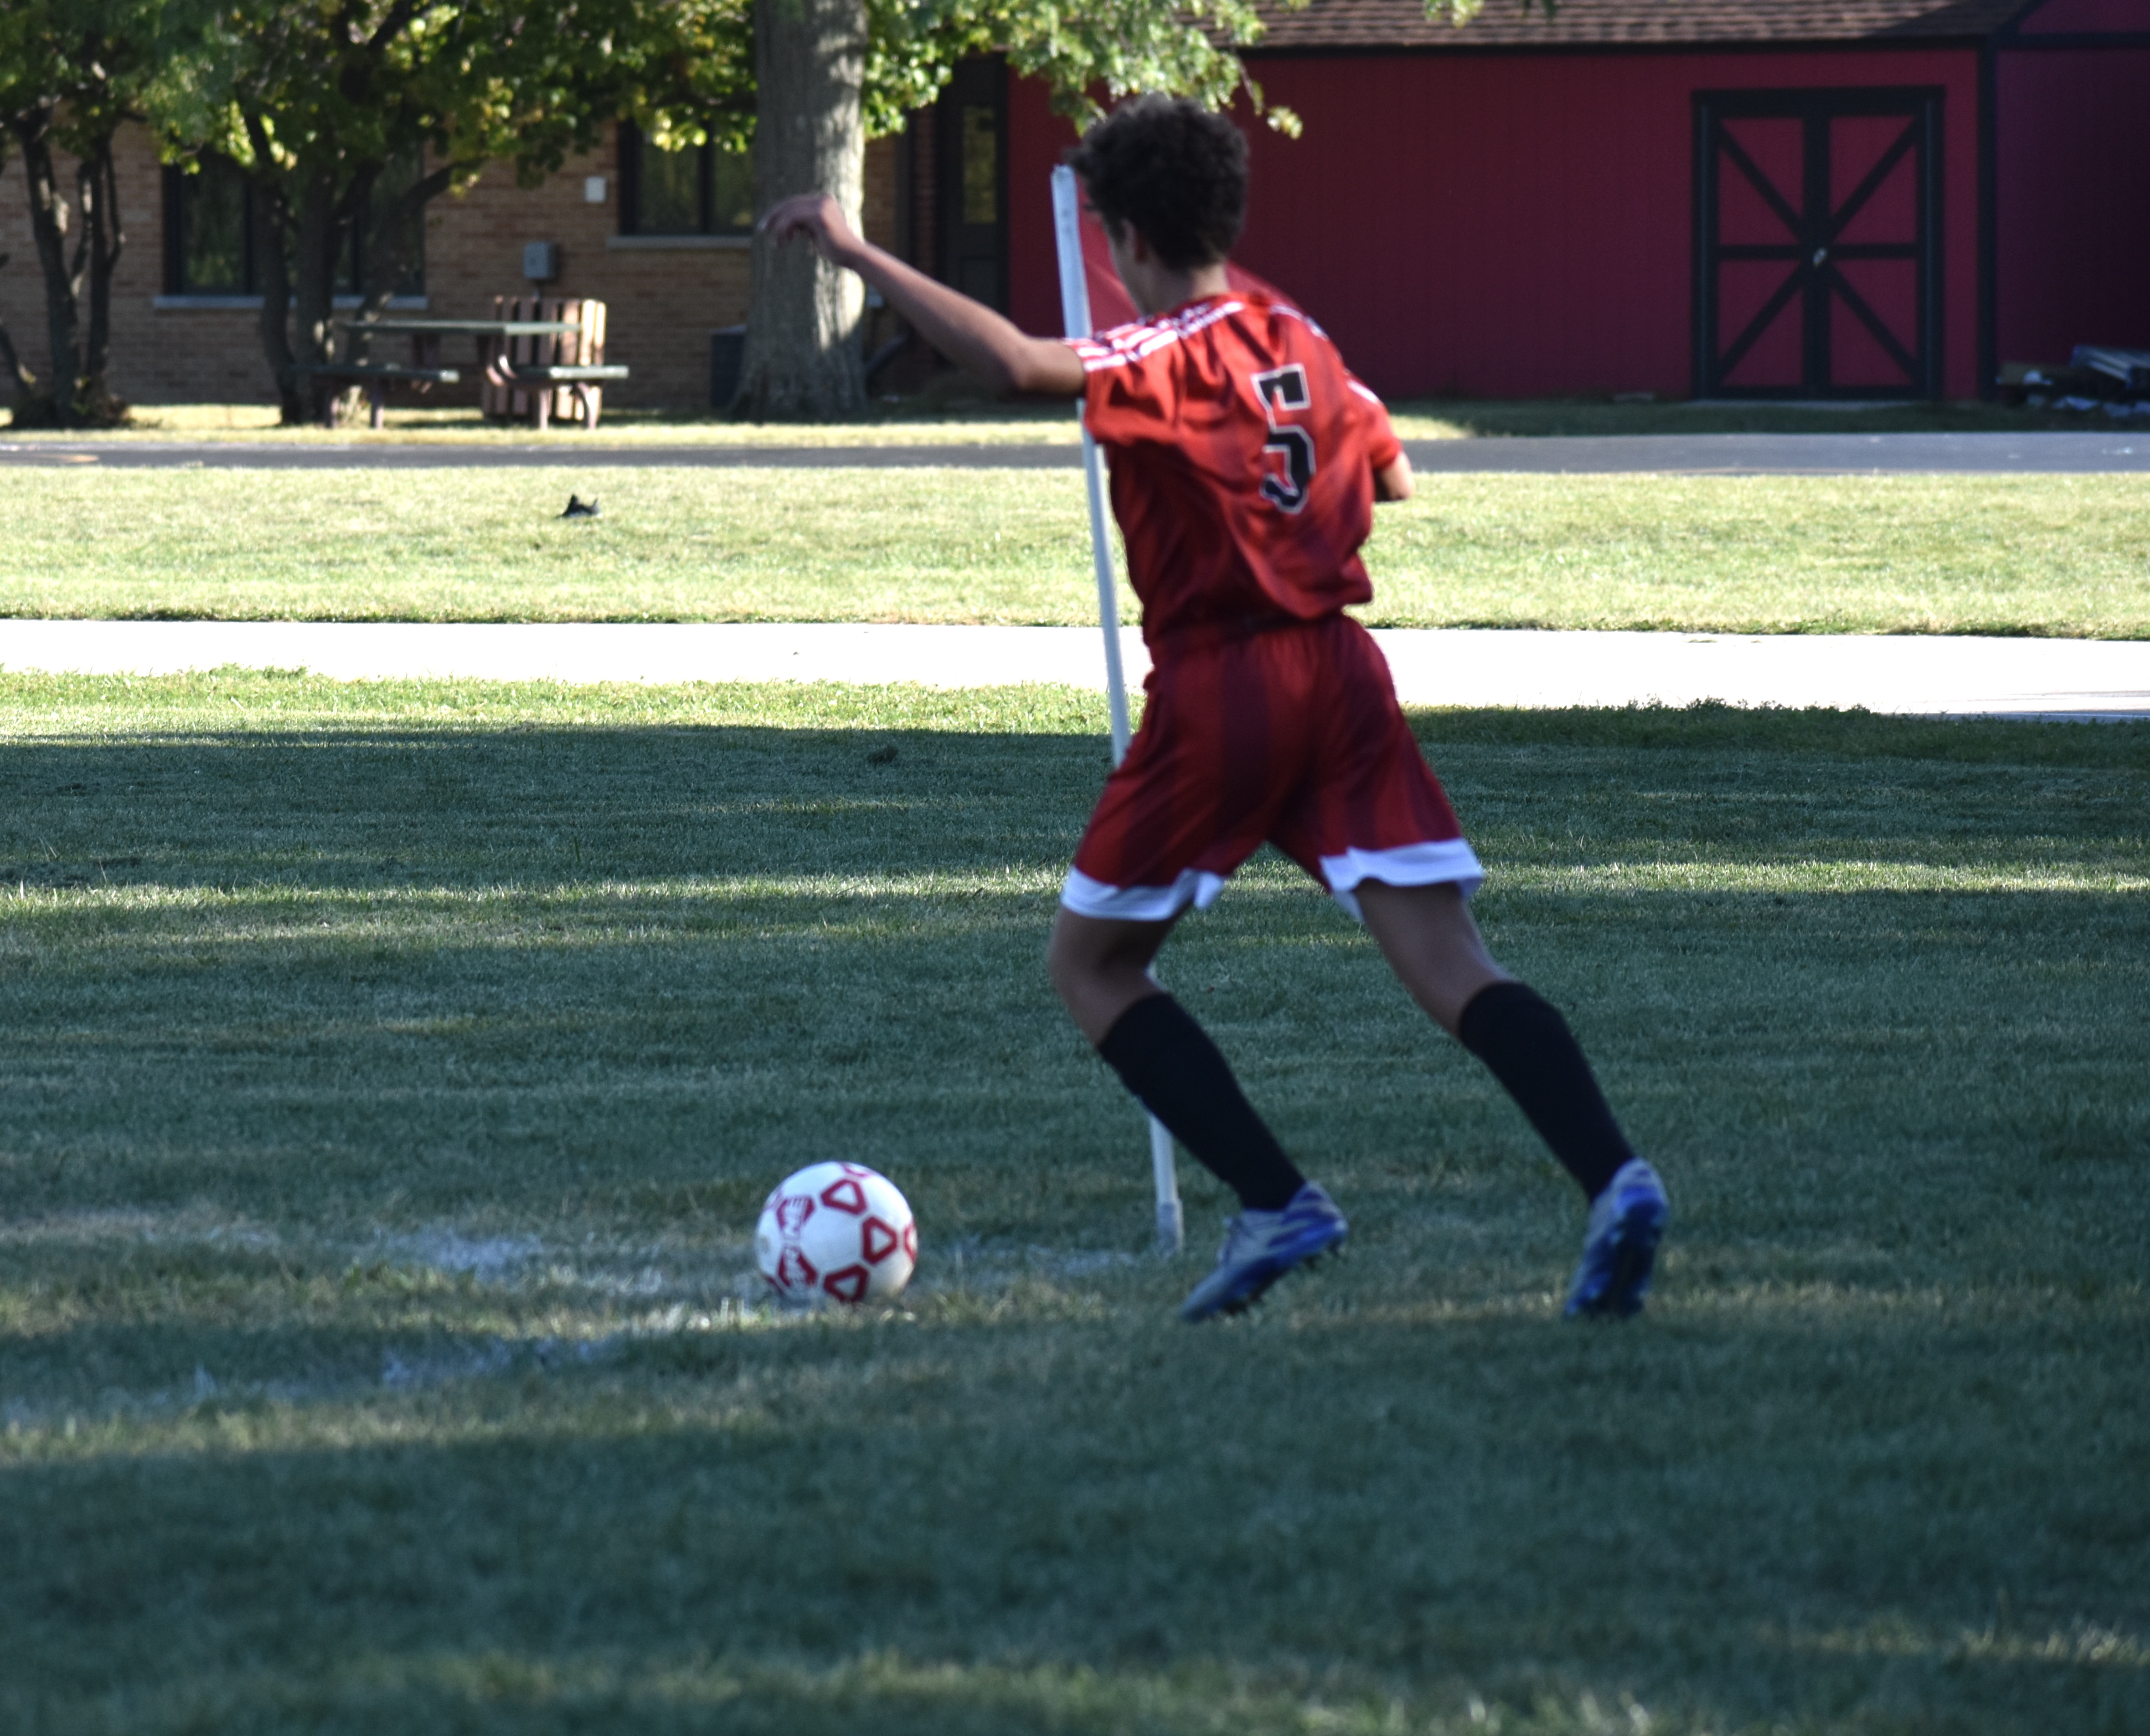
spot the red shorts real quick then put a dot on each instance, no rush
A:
(1292, 736)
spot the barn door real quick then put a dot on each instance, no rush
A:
(1818, 244)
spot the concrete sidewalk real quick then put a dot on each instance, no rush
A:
(1943, 676)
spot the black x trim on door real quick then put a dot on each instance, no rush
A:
(1812, 247)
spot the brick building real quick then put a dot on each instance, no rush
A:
(669, 274)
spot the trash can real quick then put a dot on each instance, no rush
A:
(727, 349)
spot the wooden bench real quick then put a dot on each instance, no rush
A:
(579, 388)
(377, 377)
(541, 374)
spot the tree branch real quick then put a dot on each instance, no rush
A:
(85, 196)
(392, 25)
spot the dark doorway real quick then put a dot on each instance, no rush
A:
(970, 155)
(1818, 244)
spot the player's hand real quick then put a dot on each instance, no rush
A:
(819, 218)
(1393, 480)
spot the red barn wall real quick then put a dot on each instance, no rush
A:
(2073, 211)
(1492, 225)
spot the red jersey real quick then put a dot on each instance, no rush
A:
(1243, 455)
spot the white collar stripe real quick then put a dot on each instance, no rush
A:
(1137, 342)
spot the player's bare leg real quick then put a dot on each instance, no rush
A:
(1102, 968)
(1430, 943)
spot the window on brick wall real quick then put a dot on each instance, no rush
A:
(210, 240)
(208, 232)
(700, 190)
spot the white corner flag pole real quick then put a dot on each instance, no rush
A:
(1075, 319)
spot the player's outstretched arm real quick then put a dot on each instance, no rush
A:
(1393, 480)
(968, 333)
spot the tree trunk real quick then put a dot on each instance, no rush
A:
(271, 218)
(105, 240)
(49, 227)
(275, 278)
(77, 282)
(320, 236)
(802, 335)
(22, 380)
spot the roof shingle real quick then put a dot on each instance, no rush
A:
(1330, 24)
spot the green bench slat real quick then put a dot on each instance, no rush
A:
(536, 375)
(380, 370)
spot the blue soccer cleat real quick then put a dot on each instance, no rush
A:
(1260, 1247)
(1627, 1222)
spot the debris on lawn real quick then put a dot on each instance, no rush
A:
(2131, 368)
(2096, 377)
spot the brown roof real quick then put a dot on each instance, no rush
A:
(1587, 23)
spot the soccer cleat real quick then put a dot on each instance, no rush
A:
(1627, 1222)
(1260, 1247)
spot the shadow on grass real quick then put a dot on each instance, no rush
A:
(320, 803)
(329, 806)
(1867, 989)
(1780, 1517)
(356, 972)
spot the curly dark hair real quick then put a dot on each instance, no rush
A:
(1170, 169)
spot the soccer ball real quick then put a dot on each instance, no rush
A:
(839, 1230)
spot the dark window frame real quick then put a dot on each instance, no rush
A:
(973, 257)
(177, 183)
(630, 146)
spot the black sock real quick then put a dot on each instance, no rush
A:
(1183, 1079)
(1523, 1038)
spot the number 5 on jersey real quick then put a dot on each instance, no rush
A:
(1285, 388)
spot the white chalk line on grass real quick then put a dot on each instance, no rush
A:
(1904, 675)
(688, 1290)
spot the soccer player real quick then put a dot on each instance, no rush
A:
(1245, 462)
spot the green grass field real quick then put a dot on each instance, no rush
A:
(389, 1075)
(2057, 555)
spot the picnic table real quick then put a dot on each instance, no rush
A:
(532, 360)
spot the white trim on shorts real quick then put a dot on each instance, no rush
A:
(1452, 859)
(1088, 897)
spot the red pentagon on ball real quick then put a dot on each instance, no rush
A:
(847, 1285)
